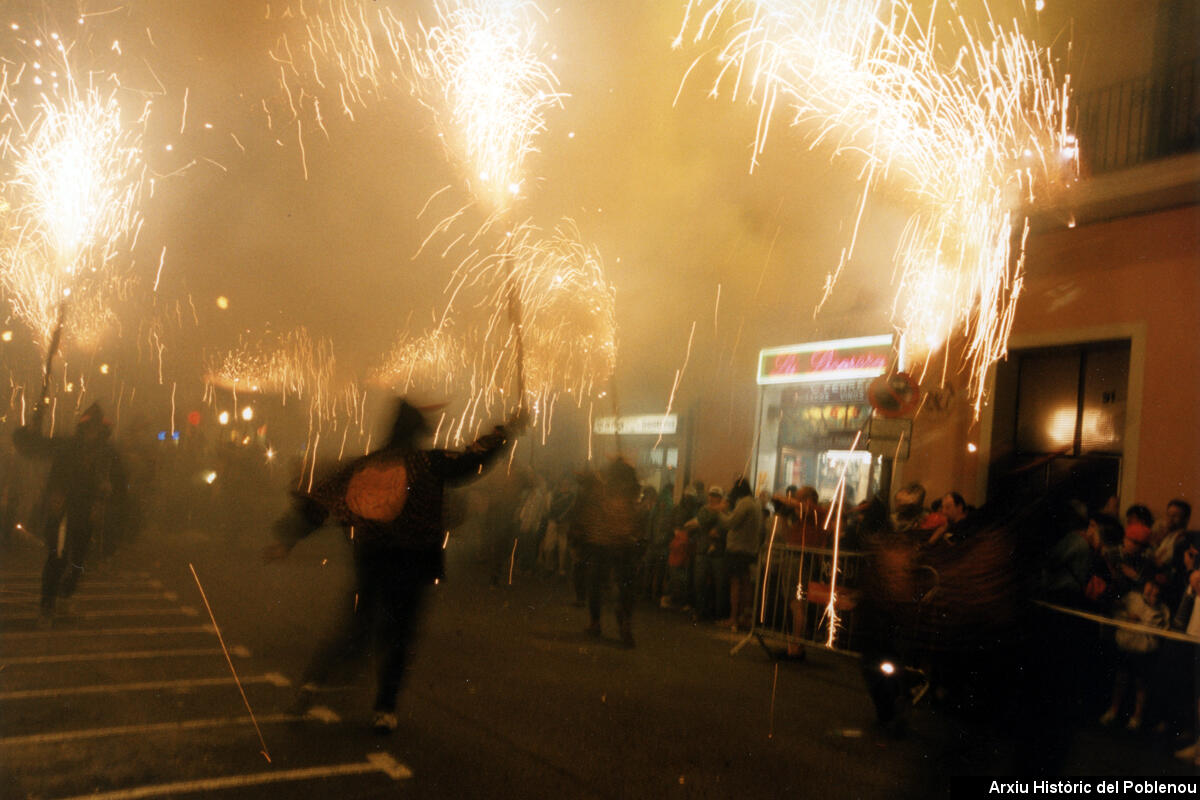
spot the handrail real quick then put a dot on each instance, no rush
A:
(1165, 633)
(1140, 119)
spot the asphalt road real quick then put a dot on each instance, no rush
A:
(132, 696)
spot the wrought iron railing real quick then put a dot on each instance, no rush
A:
(1139, 120)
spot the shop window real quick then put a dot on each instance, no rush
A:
(1048, 399)
(1060, 421)
(1072, 400)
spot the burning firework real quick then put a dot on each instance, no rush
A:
(432, 361)
(293, 365)
(966, 136)
(71, 181)
(480, 68)
(568, 320)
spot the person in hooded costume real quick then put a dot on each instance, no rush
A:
(86, 480)
(391, 502)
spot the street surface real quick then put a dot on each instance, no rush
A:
(132, 696)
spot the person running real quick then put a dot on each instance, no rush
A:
(86, 479)
(610, 522)
(391, 502)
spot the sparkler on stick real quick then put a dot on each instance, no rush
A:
(480, 67)
(71, 181)
(560, 304)
(965, 136)
(513, 304)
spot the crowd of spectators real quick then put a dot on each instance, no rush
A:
(1143, 574)
(700, 552)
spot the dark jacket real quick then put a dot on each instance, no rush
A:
(412, 481)
(83, 472)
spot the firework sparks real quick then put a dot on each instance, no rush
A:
(568, 310)
(432, 361)
(335, 57)
(72, 177)
(965, 144)
(835, 514)
(289, 365)
(480, 68)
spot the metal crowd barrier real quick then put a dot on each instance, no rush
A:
(792, 596)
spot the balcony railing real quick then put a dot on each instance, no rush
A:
(1139, 120)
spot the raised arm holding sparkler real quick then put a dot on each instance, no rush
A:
(391, 503)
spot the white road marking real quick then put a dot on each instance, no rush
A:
(238, 651)
(187, 611)
(86, 583)
(375, 762)
(79, 596)
(273, 678)
(319, 713)
(108, 632)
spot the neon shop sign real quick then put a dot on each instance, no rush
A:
(835, 360)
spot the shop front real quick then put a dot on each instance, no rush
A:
(812, 407)
(651, 442)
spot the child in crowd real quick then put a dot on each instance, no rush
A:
(679, 555)
(1137, 649)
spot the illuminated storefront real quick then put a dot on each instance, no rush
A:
(651, 441)
(812, 404)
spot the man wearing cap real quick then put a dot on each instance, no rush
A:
(391, 503)
(86, 478)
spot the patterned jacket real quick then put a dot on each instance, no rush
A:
(390, 500)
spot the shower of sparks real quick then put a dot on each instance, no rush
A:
(430, 362)
(481, 68)
(835, 514)
(479, 65)
(762, 606)
(291, 365)
(335, 58)
(568, 320)
(72, 177)
(967, 137)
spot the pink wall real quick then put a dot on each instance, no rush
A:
(1136, 271)
(1143, 269)
(1140, 270)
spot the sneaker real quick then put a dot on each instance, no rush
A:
(1134, 724)
(1108, 717)
(385, 722)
